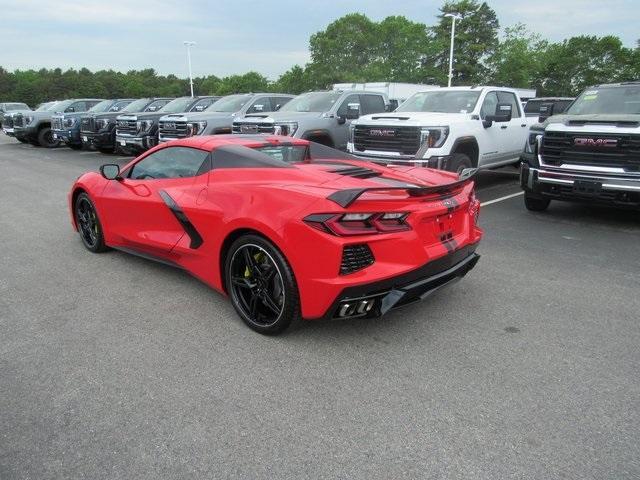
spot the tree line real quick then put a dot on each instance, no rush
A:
(355, 48)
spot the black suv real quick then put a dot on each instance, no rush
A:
(590, 153)
(98, 130)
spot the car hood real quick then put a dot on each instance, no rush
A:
(622, 120)
(275, 117)
(204, 116)
(415, 119)
(69, 114)
(142, 115)
(40, 115)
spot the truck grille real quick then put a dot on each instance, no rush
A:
(173, 129)
(7, 122)
(56, 123)
(592, 149)
(18, 120)
(355, 257)
(402, 140)
(88, 124)
(252, 128)
(126, 127)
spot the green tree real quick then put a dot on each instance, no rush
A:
(570, 66)
(475, 41)
(249, 82)
(295, 80)
(518, 58)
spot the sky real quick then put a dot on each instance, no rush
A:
(235, 36)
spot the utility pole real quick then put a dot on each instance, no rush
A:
(189, 45)
(453, 17)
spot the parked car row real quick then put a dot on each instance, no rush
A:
(590, 152)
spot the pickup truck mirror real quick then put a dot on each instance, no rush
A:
(353, 111)
(278, 107)
(110, 171)
(546, 111)
(503, 114)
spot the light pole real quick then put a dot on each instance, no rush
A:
(189, 45)
(453, 17)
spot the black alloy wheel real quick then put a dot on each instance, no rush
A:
(89, 226)
(261, 285)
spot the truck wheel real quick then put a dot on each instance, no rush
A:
(536, 204)
(45, 138)
(458, 162)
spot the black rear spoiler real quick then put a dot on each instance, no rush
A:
(344, 198)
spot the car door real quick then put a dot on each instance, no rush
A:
(341, 131)
(517, 129)
(142, 210)
(491, 141)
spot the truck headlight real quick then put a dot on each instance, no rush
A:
(144, 125)
(28, 119)
(287, 129)
(352, 131)
(69, 122)
(197, 128)
(434, 137)
(533, 142)
(102, 123)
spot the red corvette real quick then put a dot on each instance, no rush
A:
(287, 228)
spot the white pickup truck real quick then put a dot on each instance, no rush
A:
(448, 128)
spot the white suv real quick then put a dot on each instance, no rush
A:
(448, 128)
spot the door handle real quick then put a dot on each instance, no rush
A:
(503, 127)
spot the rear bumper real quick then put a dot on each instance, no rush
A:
(591, 187)
(376, 299)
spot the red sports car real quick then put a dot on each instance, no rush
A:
(287, 228)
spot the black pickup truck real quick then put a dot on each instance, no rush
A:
(137, 132)
(98, 130)
(589, 153)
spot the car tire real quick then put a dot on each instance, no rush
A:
(74, 146)
(261, 285)
(536, 204)
(458, 162)
(89, 226)
(45, 138)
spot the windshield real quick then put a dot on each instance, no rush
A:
(617, 100)
(231, 103)
(17, 106)
(103, 106)
(45, 106)
(60, 106)
(136, 105)
(178, 105)
(285, 153)
(312, 102)
(450, 101)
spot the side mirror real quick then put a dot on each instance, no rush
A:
(503, 114)
(353, 111)
(110, 171)
(278, 107)
(546, 111)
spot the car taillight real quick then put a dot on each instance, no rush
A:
(474, 207)
(348, 224)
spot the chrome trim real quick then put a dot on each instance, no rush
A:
(586, 169)
(565, 178)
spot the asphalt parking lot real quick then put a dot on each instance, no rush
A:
(115, 367)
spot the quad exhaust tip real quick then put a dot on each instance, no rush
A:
(355, 308)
